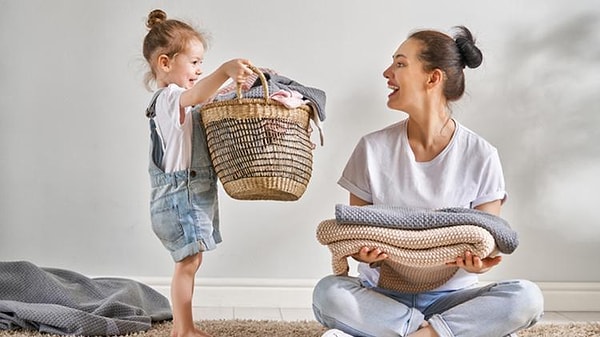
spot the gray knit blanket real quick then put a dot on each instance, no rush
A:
(63, 302)
(417, 219)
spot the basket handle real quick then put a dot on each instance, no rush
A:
(263, 81)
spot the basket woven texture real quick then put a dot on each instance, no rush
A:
(261, 150)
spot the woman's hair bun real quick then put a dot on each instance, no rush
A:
(155, 17)
(472, 56)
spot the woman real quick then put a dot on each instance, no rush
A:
(426, 161)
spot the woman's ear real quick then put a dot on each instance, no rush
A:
(436, 77)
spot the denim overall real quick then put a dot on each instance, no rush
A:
(184, 207)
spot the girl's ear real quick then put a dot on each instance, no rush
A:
(164, 62)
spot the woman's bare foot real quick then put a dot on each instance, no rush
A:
(425, 330)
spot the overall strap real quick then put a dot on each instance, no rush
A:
(157, 145)
(151, 109)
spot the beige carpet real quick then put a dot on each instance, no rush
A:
(250, 328)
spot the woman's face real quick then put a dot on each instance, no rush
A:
(406, 77)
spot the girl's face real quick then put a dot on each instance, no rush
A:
(406, 77)
(184, 68)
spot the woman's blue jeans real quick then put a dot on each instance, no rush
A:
(495, 310)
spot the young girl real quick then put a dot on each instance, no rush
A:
(184, 205)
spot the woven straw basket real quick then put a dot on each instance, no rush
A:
(261, 150)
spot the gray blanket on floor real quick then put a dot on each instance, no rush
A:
(417, 219)
(63, 302)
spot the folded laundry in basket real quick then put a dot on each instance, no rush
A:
(313, 97)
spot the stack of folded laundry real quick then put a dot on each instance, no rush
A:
(418, 242)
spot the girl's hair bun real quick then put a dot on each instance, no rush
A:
(156, 17)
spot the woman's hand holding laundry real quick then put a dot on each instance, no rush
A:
(475, 264)
(370, 255)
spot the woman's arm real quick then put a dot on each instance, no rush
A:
(475, 264)
(492, 207)
(366, 254)
(356, 201)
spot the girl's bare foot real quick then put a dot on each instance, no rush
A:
(202, 333)
(193, 333)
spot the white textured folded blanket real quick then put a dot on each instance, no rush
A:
(416, 258)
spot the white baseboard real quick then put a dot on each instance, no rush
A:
(242, 292)
(571, 296)
(297, 293)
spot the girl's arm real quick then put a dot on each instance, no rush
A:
(204, 89)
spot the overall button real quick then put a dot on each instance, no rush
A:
(192, 173)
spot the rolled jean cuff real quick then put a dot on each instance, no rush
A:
(439, 325)
(414, 322)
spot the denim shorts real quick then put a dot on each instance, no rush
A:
(184, 211)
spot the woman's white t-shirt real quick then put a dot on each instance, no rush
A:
(176, 137)
(382, 170)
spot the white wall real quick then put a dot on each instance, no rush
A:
(74, 138)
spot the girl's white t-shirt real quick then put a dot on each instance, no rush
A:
(176, 137)
(382, 170)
